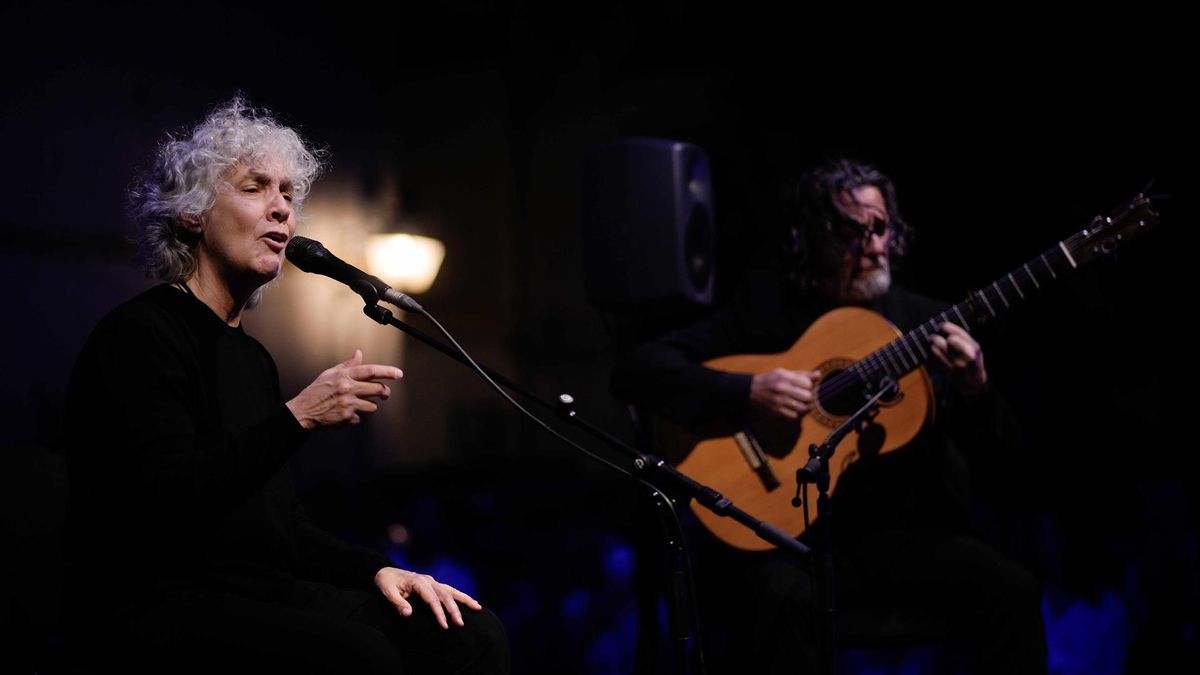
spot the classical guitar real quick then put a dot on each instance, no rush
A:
(855, 349)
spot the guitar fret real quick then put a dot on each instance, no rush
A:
(904, 364)
(865, 370)
(1031, 277)
(935, 324)
(888, 357)
(1068, 254)
(1048, 267)
(889, 363)
(837, 382)
(904, 342)
(881, 363)
(983, 296)
(858, 370)
(921, 347)
(1013, 281)
(964, 325)
(996, 285)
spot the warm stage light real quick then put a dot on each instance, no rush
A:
(408, 262)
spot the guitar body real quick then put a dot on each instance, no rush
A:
(833, 343)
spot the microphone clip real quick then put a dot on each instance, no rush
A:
(366, 290)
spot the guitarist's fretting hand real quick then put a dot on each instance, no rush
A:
(783, 393)
(959, 355)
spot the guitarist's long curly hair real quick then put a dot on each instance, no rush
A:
(812, 214)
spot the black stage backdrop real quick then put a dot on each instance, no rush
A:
(469, 121)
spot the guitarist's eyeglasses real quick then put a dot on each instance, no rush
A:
(850, 231)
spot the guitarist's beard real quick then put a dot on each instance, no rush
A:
(863, 288)
(854, 276)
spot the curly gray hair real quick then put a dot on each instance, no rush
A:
(183, 181)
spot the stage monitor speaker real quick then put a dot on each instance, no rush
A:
(649, 238)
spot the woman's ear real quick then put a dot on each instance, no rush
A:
(191, 224)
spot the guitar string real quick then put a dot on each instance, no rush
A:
(880, 362)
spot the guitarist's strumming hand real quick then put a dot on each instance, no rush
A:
(959, 355)
(783, 393)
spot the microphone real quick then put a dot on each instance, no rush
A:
(310, 256)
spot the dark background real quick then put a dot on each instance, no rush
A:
(1004, 131)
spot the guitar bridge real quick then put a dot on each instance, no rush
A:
(756, 459)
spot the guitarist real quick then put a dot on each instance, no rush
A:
(901, 518)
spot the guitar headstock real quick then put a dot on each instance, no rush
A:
(1105, 234)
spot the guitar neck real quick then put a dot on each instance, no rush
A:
(911, 350)
(1104, 235)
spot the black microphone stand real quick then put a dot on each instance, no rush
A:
(816, 471)
(651, 470)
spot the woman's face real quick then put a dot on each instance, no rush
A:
(244, 234)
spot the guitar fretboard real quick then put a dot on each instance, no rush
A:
(910, 351)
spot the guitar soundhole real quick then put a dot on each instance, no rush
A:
(843, 400)
(840, 394)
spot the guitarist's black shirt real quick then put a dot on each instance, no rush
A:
(923, 483)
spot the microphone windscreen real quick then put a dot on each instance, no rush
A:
(305, 253)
